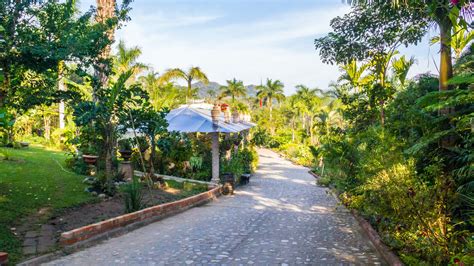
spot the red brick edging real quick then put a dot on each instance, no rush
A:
(374, 237)
(94, 230)
(314, 174)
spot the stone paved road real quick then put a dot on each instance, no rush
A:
(280, 218)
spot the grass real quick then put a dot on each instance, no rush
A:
(31, 179)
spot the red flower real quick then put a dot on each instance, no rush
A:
(454, 2)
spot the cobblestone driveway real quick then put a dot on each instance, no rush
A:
(280, 218)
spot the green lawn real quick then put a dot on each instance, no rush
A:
(35, 178)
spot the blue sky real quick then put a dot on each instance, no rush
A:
(245, 39)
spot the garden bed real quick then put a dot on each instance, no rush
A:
(46, 237)
(90, 213)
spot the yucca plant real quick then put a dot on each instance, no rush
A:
(132, 195)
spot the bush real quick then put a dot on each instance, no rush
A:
(132, 195)
(298, 153)
(249, 159)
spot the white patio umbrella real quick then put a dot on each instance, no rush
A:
(198, 118)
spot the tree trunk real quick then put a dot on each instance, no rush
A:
(446, 66)
(6, 84)
(109, 150)
(152, 156)
(188, 93)
(61, 87)
(293, 129)
(215, 157)
(105, 11)
(47, 127)
(445, 70)
(271, 107)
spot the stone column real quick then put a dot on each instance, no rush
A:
(126, 170)
(215, 157)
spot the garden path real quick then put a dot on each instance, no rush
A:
(281, 218)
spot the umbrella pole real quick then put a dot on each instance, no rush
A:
(215, 157)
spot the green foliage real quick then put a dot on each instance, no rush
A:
(6, 126)
(233, 166)
(132, 195)
(249, 158)
(369, 30)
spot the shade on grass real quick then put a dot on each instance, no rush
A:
(36, 178)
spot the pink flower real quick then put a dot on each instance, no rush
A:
(454, 2)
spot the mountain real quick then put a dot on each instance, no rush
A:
(213, 89)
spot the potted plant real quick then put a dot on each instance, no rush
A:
(89, 154)
(125, 149)
(224, 107)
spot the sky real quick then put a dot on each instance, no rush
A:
(250, 40)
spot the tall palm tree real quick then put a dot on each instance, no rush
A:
(272, 90)
(126, 59)
(105, 11)
(400, 68)
(353, 75)
(235, 88)
(193, 73)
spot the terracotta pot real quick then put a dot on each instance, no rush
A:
(90, 159)
(126, 154)
(3, 258)
(215, 113)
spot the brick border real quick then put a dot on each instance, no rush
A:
(314, 174)
(108, 227)
(374, 237)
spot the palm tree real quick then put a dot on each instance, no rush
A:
(162, 95)
(126, 59)
(353, 74)
(291, 111)
(459, 40)
(235, 88)
(400, 68)
(310, 102)
(105, 11)
(272, 90)
(194, 73)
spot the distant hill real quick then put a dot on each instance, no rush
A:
(214, 87)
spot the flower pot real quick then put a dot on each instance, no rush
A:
(126, 154)
(90, 159)
(3, 258)
(215, 112)
(224, 107)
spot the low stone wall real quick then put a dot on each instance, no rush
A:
(88, 232)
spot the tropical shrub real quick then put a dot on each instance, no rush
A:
(132, 195)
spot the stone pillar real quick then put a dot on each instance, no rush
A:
(126, 170)
(215, 157)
